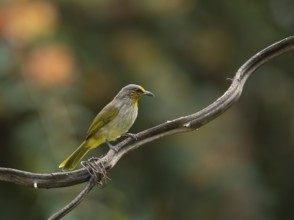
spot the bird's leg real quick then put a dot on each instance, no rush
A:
(134, 136)
(111, 146)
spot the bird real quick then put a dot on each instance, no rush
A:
(113, 121)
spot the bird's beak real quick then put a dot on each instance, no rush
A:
(148, 93)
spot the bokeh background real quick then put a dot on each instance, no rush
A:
(62, 61)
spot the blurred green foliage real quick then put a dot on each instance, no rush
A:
(62, 61)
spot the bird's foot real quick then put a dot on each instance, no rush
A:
(115, 148)
(112, 147)
(134, 136)
(96, 168)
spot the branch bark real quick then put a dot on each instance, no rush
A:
(176, 126)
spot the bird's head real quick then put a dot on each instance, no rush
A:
(135, 92)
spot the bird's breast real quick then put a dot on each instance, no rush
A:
(122, 122)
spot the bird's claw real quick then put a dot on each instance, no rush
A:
(134, 136)
(112, 147)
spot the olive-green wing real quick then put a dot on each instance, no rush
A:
(106, 115)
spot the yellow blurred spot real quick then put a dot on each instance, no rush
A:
(51, 65)
(28, 20)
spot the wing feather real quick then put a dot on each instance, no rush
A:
(107, 114)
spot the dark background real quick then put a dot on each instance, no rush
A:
(62, 61)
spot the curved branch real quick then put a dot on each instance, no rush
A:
(179, 125)
(197, 120)
(75, 202)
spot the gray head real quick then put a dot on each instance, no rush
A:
(133, 91)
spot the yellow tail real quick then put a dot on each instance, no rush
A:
(71, 162)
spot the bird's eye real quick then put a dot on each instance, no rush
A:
(138, 90)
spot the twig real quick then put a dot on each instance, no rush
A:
(74, 203)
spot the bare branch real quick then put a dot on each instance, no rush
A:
(176, 126)
(197, 120)
(179, 125)
(74, 203)
(37, 180)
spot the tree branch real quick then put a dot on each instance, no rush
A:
(37, 180)
(176, 126)
(179, 125)
(75, 202)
